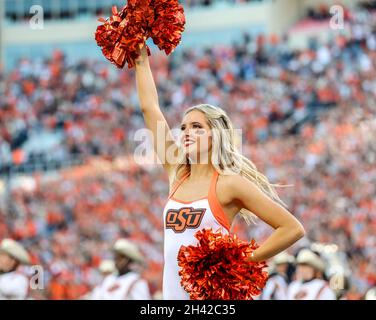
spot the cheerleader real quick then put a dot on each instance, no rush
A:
(210, 181)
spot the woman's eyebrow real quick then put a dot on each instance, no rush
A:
(193, 122)
(196, 122)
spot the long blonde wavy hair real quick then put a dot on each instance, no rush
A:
(226, 159)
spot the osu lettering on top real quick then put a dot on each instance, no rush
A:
(187, 217)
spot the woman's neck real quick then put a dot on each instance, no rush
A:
(201, 171)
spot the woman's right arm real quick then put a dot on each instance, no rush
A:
(163, 141)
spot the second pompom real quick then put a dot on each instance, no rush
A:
(218, 269)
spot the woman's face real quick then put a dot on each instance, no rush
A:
(196, 139)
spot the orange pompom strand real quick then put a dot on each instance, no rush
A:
(121, 34)
(218, 268)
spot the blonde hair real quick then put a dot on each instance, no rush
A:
(226, 159)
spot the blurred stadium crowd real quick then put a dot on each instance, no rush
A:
(62, 9)
(308, 119)
(192, 3)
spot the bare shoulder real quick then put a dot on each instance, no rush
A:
(228, 186)
(233, 181)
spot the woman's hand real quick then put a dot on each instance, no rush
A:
(252, 257)
(143, 53)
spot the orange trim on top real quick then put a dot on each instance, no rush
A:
(187, 202)
(215, 206)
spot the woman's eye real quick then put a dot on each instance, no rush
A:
(197, 126)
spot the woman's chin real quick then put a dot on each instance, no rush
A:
(189, 153)
(190, 150)
(196, 159)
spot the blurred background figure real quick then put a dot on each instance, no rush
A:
(13, 284)
(126, 283)
(310, 283)
(276, 287)
(371, 294)
(337, 269)
(106, 268)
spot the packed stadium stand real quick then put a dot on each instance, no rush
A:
(55, 9)
(69, 186)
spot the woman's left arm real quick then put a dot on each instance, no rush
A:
(288, 229)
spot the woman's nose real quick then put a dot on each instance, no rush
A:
(187, 132)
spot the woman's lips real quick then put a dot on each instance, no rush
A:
(188, 142)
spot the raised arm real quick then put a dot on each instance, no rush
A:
(163, 142)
